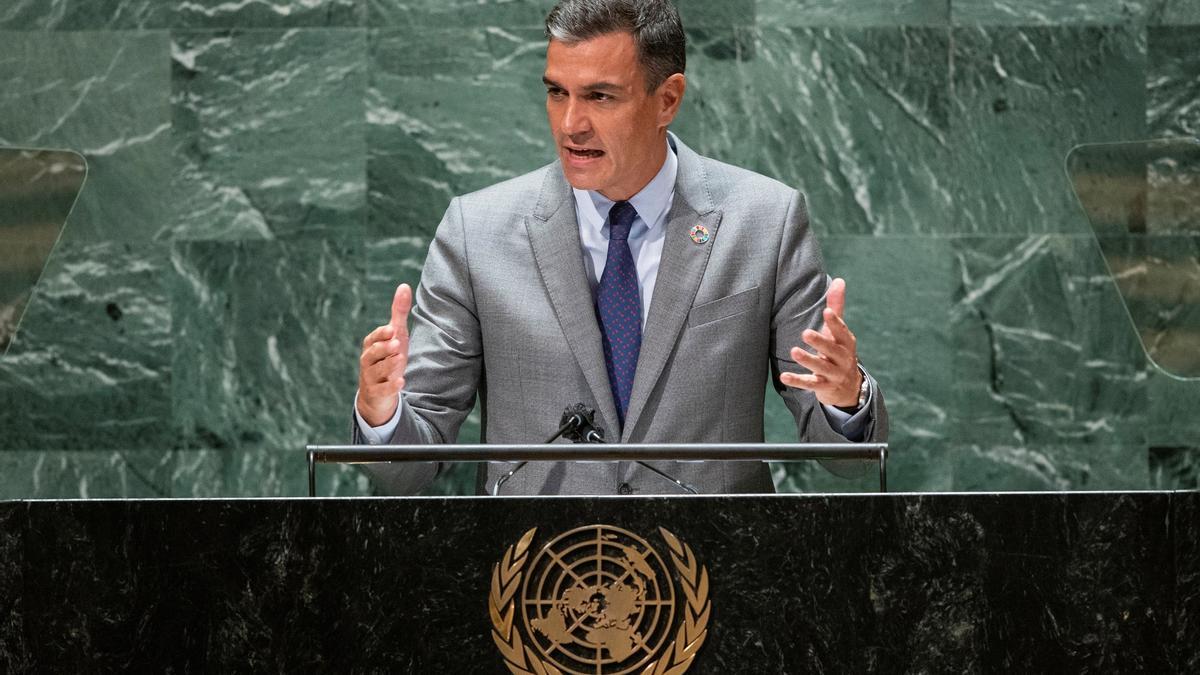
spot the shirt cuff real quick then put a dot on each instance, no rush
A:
(852, 426)
(380, 434)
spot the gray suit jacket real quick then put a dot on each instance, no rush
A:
(504, 310)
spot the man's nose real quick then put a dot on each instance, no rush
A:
(575, 120)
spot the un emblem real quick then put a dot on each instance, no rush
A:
(599, 600)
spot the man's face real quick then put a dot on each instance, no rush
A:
(610, 132)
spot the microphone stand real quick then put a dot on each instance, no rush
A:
(578, 424)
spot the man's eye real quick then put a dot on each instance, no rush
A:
(554, 93)
(597, 96)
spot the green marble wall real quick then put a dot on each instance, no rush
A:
(261, 175)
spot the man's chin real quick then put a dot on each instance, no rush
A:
(582, 179)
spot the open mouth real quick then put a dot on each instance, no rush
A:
(584, 153)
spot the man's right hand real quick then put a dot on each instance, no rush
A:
(383, 361)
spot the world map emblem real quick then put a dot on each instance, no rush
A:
(599, 600)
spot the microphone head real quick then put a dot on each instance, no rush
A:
(578, 422)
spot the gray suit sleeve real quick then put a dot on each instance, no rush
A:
(800, 287)
(445, 358)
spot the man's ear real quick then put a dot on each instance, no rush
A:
(670, 96)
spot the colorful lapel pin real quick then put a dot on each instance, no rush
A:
(699, 234)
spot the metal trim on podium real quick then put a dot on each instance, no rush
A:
(594, 452)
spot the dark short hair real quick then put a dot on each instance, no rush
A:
(654, 24)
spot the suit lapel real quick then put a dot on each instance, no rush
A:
(557, 251)
(680, 271)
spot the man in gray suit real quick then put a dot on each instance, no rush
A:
(632, 275)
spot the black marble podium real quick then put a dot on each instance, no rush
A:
(1045, 582)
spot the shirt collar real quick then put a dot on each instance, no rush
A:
(651, 203)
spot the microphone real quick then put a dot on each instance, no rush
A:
(578, 424)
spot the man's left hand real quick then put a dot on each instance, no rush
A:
(835, 377)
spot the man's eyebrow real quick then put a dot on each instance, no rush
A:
(603, 86)
(596, 86)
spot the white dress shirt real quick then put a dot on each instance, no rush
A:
(646, 235)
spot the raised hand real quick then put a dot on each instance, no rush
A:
(835, 377)
(384, 358)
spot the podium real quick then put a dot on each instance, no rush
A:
(1042, 582)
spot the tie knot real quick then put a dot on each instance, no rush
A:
(620, 219)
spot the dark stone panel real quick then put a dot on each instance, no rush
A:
(856, 118)
(15, 656)
(995, 465)
(90, 366)
(1185, 525)
(1045, 355)
(1031, 583)
(444, 13)
(175, 473)
(1068, 562)
(390, 262)
(431, 137)
(71, 15)
(1173, 403)
(715, 118)
(532, 13)
(1175, 12)
(269, 134)
(137, 587)
(1049, 12)
(103, 95)
(274, 322)
(273, 14)
(853, 13)
(717, 13)
(1173, 82)
(1023, 97)
(922, 465)
(1174, 468)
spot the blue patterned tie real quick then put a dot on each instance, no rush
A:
(619, 308)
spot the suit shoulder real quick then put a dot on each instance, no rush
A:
(733, 182)
(512, 196)
(753, 204)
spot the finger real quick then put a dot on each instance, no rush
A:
(384, 332)
(798, 381)
(383, 370)
(836, 328)
(826, 346)
(380, 351)
(835, 297)
(384, 388)
(815, 363)
(401, 305)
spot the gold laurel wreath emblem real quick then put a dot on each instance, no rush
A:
(521, 658)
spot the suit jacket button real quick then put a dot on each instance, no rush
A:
(625, 489)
